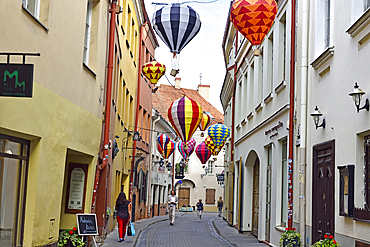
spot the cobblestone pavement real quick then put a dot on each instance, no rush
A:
(187, 231)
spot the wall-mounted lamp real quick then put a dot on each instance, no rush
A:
(357, 96)
(316, 114)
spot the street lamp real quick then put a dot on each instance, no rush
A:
(357, 96)
(316, 114)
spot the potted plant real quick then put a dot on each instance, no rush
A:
(70, 237)
(328, 241)
(290, 238)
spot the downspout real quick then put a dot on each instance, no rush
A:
(233, 119)
(108, 103)
(137, 105)
(303, 161)
(150, 163)
(291, 119)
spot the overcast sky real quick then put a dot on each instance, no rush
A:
(203, 54)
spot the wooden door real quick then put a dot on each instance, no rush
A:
(268, 195)
(256, 180)
(184, 196)
(323, 190)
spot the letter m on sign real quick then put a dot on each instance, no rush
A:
(15, 73)
(16, 80)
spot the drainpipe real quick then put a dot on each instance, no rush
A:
(291, 119)
(302, 165)
(233, 116)
(137, 105)
(150, 163)
(108, 102)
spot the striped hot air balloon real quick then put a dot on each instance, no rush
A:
(203, 153)
(168, 149)
(153, 71)
(205, 122)
(163, 140)
(218, 133)
(176, 24)
(253, 18)
(185, 115)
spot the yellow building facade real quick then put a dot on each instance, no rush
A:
(42, 138)
(124, 97)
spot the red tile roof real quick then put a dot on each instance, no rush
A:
(166, 94)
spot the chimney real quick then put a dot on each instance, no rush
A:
(177, 82)
(203, 90)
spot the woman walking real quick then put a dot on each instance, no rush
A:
(220, 204)
(122, 215)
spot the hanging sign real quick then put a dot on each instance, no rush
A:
(16, 80)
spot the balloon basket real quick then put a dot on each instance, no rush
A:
(214, 158)
(256, 52)
(174, 72)
(202, 134)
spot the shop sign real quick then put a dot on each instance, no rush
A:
(16, 80)
(220, 177)
(273, 132)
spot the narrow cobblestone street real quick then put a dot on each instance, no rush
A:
(187, 231)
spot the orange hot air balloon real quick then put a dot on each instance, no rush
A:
(253, 18)
(153, 71)
(205, 122)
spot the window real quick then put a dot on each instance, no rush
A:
(270, 63)
(366, 4)
(282, 49)
(327, 23)
(210, 196)
(87, 32)
(284, 184)
(346, 190)
(33, 6)
(210, 166)
(14, 153)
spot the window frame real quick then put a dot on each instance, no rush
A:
(284, 182)
(87, 37)
(23, 157)
(36, 7)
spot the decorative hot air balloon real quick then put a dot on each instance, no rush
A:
(203, 153)
(253, 19)
(211, 146)
(176, 24)
(204, 123)
(153, 71)
(218, 133)
(185, 153)
(168, 150)
(163, 140)
(185, 115)
(160, 149)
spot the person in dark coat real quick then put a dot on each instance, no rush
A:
(199, 209)
(123, 215)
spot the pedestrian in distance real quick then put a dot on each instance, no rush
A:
(199, 209)
(172, 200)
(123, 215)
(220, 204)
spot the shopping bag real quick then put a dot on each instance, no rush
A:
(129, 232)
(132, 229)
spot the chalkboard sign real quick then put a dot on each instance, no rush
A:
(87, 224)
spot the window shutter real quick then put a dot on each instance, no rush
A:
(210, 196)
